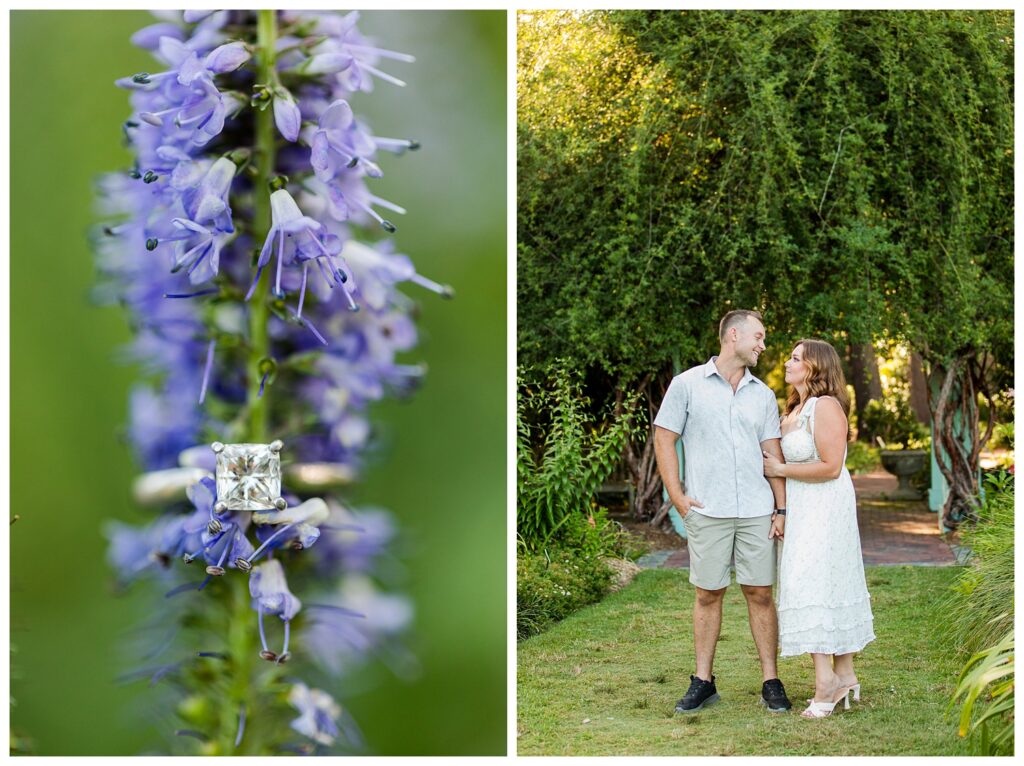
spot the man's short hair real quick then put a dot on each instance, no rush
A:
(734, 319)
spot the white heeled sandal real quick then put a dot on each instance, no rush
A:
(825, 709)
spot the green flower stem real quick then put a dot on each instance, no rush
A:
(264, 160)
(242, 650)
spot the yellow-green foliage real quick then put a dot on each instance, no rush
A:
(553, 584)
(564, 451)
(988, 677)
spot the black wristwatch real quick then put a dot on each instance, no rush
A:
(780, 511)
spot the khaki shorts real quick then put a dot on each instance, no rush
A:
(713, 542)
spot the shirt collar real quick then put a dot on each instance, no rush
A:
(710, 369)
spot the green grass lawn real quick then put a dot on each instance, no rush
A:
(605, 680)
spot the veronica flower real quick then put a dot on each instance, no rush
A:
(318, 714)
(133, 550)
(300, 240)
(337, 145)
(355, 539)
(379, 272)
(204, 111)
(208, 201)
(344, 627)
(270, 595)
(298, 525)
(163, 422)
(197, 250)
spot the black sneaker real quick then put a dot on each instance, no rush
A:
(700, 694)
(773, 696)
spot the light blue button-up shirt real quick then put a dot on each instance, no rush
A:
(722, 433)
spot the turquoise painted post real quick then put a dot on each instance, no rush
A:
(673, 514)
(938, 492)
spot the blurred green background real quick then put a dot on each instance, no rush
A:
(441, 471)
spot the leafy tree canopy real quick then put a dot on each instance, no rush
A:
(849, 173)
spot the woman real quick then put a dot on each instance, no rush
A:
(823, 603)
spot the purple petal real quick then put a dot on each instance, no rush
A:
(173, 51)
(287, 117)
(191, 17)
(268, 248)
(149, 37)
(191, 69)
(328, 63)
(318, 158)
(338, 116)
(227, 58)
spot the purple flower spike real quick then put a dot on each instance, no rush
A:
(177, 253)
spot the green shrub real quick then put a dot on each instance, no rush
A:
(893, 421)
(984, 590)
(861, 457)
(562, 455)
(552, 584)
(1002, 435)
(596, 535)
(981, 620)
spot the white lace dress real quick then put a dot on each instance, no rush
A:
(823, 601)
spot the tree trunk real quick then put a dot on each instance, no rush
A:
(957, 441)
(867, 385)
(919, 389)
(639, 455)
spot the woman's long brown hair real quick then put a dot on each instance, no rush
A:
(824, 376)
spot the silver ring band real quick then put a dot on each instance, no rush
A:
(317, 477)
(159, 488)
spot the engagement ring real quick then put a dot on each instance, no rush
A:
(249, 477)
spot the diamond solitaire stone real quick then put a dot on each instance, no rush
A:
(248, 476)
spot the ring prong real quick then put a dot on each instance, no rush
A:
(217, 447)
(277, 445)
(280, 503)
(220, 507)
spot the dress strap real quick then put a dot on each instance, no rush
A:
(808, 412)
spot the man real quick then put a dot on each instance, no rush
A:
(727, 417)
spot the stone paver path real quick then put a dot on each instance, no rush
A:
(891, 532)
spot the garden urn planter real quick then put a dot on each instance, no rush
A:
(904, 464)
